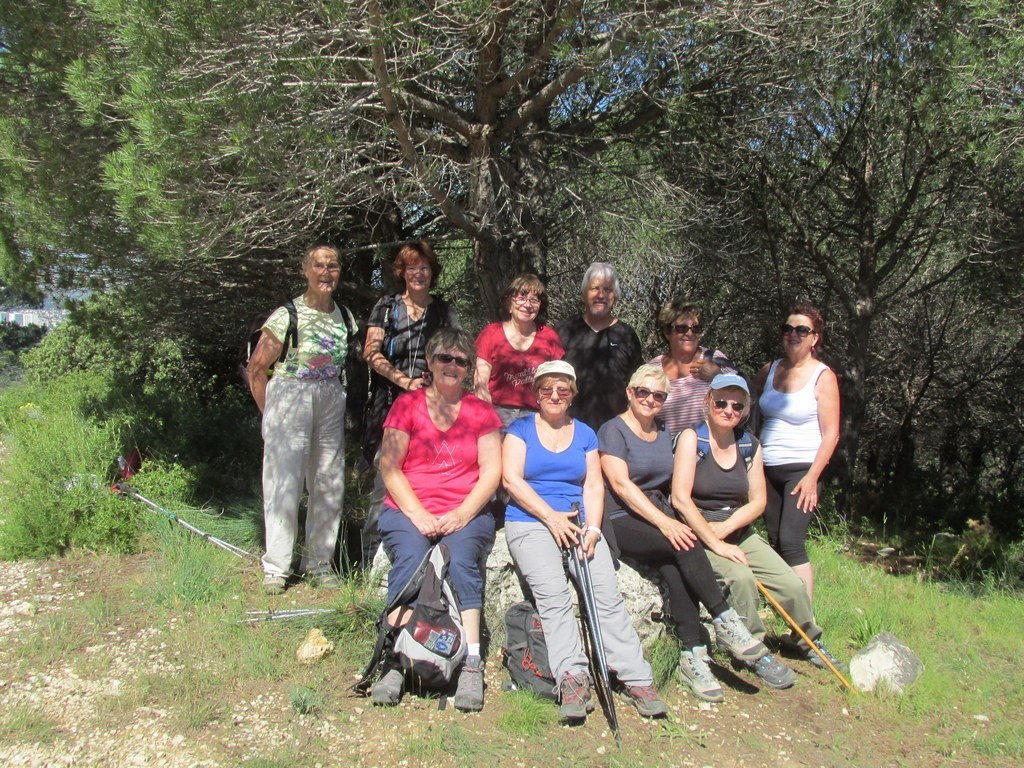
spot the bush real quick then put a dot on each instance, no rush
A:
(56, 474)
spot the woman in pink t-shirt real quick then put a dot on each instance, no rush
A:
(441, 464)
(509, 352)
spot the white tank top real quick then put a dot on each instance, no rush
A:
(790, 434)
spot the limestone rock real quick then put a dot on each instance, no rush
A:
(886, 665)
(314, 647)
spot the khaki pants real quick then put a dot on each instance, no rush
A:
(303, 443)
(738, 583)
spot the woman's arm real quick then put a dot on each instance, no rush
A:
(481, 376)
(488, 449)
(593, 502)
(826, 390)
(682, 488)
(267, 353)
(394, 447)
(757, 497)
(616, 472)
(373, 354)
(513, 463)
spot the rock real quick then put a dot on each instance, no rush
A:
(886, 664)
(642, 592)
(19, 608)
(314, 647)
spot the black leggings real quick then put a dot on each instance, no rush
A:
(687, 573)
(787, 525)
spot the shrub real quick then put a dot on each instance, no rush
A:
(55, 490)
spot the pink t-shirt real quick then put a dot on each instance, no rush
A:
(441, 467)
(511, 382)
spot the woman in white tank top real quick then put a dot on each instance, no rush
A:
(800, 407)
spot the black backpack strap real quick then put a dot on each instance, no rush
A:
(291, 337)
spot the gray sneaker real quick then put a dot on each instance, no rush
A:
(774, 673)
(646, 700)
(695, 672)
(274, 585)
(327, 580)
(388, 690)
(732, 635)
(812, 657)
(469, 696)
(574, 697)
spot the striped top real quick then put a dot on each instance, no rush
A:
(685, 405)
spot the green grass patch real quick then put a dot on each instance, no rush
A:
(24, 725)
(526, 715)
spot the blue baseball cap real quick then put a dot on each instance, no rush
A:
(723, 380)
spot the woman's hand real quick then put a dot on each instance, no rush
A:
(415, 384)
(679, 535)
(729, 552)
(427, 524)
(453, 521)
(565, 532)
(806, 492)
(590, 540)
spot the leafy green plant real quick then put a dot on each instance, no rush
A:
(305, 701)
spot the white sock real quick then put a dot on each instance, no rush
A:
(473, 649)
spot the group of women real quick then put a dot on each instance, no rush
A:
(684, 512)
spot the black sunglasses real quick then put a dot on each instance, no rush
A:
(723, 404)
(800, 330)
(684, 328)
(642, 393)
(445, 358)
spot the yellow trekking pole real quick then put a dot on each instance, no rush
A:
(799, 631)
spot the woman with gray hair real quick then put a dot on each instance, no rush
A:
(636, 458)
(441, 463)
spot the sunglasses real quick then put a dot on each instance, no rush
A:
(445, 358)
(800, 330)
(721, 405)
(684, 328)
(546, 391)
(642, 393)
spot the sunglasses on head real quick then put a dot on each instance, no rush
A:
(642, 393)
(721, 405)
(800, 330)
(684, 328)
(445, 358)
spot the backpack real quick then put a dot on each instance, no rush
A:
(291, 337)
(525, 652)
(744, 441)
(432, 644)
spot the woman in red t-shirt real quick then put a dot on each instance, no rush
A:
(509, 352)
(441, 464)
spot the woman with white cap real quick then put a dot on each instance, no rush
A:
(550, 465)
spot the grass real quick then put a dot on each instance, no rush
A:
(527, 716)
(26, 725)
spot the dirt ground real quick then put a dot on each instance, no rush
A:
(87, 710)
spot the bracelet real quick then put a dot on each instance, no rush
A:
(596, 530)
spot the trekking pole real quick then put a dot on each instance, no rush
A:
(592, 625)
(126, 490)
(799, 631)
(290, 613)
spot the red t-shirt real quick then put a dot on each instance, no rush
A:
(511, 382)
(441, 467)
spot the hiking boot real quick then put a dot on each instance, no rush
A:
(469, 696)
(274, 585)
(646, 701)
(388, 690)
(328, 580)
(812, 657)
(574, 697)
(695, 672)
(732, 635)
(774, 673)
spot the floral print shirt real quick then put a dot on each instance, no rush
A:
(323, 342)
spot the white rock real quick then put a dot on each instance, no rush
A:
(885, 664)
